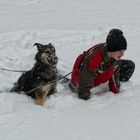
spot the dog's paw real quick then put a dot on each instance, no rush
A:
(40, 101)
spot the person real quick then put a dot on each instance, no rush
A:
(102, 63)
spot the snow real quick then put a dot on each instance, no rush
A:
(72, 27)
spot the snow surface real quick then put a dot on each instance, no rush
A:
(72, 27)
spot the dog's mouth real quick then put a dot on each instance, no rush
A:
(53, 60)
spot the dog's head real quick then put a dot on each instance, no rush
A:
(46, 54)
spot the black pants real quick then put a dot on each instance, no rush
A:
(126, 70)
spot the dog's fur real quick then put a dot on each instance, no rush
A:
(44, 71)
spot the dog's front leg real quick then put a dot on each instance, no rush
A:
(41, 94)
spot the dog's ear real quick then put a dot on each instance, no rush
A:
(50, 44)
(38, 45)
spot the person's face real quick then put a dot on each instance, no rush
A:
(117, 54)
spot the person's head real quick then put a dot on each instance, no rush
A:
(116, 44)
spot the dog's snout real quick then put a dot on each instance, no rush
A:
(54, 60)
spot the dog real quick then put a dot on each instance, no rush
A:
(34, 82)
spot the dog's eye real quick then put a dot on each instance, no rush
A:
(47, 52)
(53, 50)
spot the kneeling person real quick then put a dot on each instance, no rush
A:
(102, 63)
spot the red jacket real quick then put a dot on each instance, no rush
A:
(110, 73)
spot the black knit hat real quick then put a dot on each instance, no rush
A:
(116, 41)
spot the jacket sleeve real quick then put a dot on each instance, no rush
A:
(114, 82)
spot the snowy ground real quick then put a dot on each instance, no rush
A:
(72, 27)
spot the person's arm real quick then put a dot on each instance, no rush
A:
(114, 82)
(86, 81)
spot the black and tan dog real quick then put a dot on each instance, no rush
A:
(44, 71)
